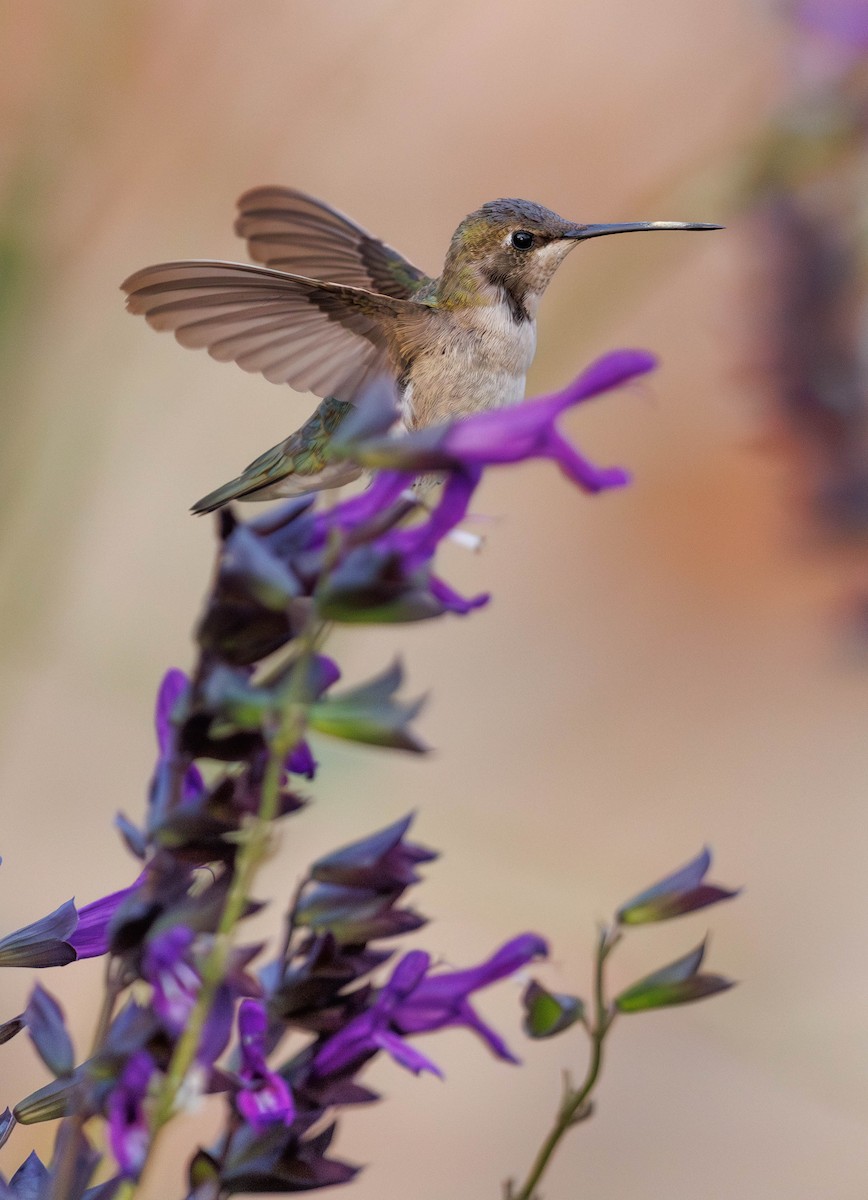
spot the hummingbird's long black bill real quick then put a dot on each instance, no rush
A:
(589, 231)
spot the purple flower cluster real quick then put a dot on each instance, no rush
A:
(283, 1040)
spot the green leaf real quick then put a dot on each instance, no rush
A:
(369, 714)
(549, 1013)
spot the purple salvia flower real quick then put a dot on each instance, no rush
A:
(172, 688)
(129, 1134)
(371, 1031)
(169, 967)
(175, 981)
(510, 435)
(265, 1098)
(441, 1001)
(846, 21)
(90, 939)
(452, 600)
(385, 490)
(301, 761)
(413, 1002)
(463, 449)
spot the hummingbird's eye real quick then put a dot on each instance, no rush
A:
(522, 239)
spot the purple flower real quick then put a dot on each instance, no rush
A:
(169, 966)
(413, 1002)
(462, 449)
(301, 761)
(175, 981)
(172, 688)
(510, 435)
(846, 21)
(129, 1133)
(90, 939)
(366, 1034)
(265, 1098)
(441, 1001)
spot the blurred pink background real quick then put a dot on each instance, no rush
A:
(659, 668)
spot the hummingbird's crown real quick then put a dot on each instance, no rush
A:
(505, 214)
(522, 212)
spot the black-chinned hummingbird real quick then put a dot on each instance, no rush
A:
(334, 307)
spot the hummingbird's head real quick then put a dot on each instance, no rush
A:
(514, 247)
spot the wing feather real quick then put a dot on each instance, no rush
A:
(295, 232)
(329, 338)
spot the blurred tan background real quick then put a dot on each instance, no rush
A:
(659, 668)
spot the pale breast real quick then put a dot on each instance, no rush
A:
(478, 359)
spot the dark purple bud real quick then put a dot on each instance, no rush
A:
(681, 892)
(136, 840)
(301, 761)
(7, 1124)
(279, 1161)
(354, 915)
(382, 861)
(46, 1026)
(249, 610)
(11, 1028)
(32, 1179)
(45, 943)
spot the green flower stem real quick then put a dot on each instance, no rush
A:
(576, 1105)
(252, 852)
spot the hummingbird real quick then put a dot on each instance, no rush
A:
(331, 308)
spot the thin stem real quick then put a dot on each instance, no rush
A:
(251, 854)
(575, 1106)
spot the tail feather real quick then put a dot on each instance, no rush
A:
(297, 465)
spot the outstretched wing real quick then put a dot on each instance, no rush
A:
(324, 338)
(296, 233)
